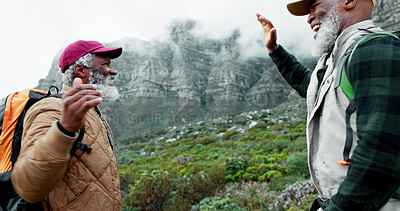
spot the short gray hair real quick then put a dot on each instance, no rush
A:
(69, 74)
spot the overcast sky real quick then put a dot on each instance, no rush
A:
(32, 32)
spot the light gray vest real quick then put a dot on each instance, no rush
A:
(326, 120)
(326, 125)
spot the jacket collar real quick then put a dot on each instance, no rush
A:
(351, 34)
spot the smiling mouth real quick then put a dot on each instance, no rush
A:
(111, 81)
(316, 28)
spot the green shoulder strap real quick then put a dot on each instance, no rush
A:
(349, 92)
(345, 83)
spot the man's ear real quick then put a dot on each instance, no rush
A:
(350, 4)
(79, 71)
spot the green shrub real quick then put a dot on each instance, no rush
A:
(278, 145)
(273, 174)
(228, 135)
(242, 120)
(250, 195)
(221, 130)
(217, 203)
(269, 136)
(126, 208)
(229, 178)
(151, 191)
(249, 177)
(207, 140)
(297, 164)
(150, 149)
(183, 172)
(304, 204)
(190, 189)
(126, 183)
(245, 139)
(239, 175)
(202, 135)
(299, 144)
(188, 141)
(173, 144)
(259, 126)
(257, 159)
(233, 165)
(270, 175)
(301, 128)
(159, 132)
(257, 133)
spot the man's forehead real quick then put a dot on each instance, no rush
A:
(301, 7)
(102, 56)
(311, 2)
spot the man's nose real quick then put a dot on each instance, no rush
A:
(311, 17)
(113, 71)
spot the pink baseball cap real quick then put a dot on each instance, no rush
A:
(82, 47)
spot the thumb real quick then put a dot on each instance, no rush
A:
(77, 81)
(272, 34)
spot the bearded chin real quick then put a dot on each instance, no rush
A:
(110, 93)
(327, 34)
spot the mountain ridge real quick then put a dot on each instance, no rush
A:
(184, 78)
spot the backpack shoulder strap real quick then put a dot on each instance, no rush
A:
(34, 97)
(349, 92)
(345, 82)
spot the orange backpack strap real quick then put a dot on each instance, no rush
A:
(13, 112)
(14, 106)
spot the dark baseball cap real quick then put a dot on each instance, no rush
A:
(302, 7)
(82, 47)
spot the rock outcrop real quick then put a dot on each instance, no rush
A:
(184, 78)
(386, 14)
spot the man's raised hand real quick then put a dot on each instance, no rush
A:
(77, 102)
(269, 33)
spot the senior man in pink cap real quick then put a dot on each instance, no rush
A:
(47, 171)
(353, 124)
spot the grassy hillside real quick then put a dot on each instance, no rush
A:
(238, 162)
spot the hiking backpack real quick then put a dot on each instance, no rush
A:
(12, 112)
(347, 88)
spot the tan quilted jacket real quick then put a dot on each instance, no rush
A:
(45, 170)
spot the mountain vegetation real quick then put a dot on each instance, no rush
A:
(241, 161)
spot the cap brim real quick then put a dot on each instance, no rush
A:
(112, 52)
(299, 8)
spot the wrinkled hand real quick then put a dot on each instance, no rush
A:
(77, 102)
(269, 33)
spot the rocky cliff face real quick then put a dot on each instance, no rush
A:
(185, 78)
(386, 14)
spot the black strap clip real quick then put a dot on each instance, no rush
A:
(79, 145)
(320, 202)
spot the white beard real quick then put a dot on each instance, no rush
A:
(110, 93)
(327, 34)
